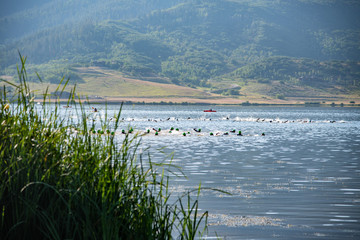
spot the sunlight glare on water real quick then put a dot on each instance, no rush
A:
(299, 181)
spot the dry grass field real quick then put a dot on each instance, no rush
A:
(105, 85)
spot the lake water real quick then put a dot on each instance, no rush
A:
(299, 181)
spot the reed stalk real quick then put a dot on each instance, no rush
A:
(61, 181)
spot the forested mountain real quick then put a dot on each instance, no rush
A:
(23, 17)
(189, 42)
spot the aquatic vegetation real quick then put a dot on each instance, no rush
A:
(84, 184)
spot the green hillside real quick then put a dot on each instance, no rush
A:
(284, 77)
(211, 44)
(302, 72)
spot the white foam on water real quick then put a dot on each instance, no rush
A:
(343, 220)
(197, 173)
(271, 213)
(351, 166)
(294, 163)
(180, 180)
(350, 189)
(342, 205)
(225, 163)
(323, 181)
(249, 166)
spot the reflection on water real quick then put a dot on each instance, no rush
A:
(299, 181)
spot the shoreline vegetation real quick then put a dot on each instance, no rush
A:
(202, 103)
(59, 181)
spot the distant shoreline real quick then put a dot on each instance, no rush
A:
(216, 102)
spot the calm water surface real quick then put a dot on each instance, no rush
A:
(299, 181)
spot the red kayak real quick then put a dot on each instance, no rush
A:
(210, 110)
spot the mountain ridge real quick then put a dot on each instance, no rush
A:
(201, 43)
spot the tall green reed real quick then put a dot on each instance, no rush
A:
(61, 181)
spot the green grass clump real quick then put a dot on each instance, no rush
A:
(56, 185)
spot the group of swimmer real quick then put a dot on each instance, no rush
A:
(94, 109)
(227, 118)
(197, 130)
(288, 121)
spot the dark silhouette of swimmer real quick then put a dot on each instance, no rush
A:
(197, 130)
(239, 134)
(263, 134)
(232, 131)
(95, 110)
